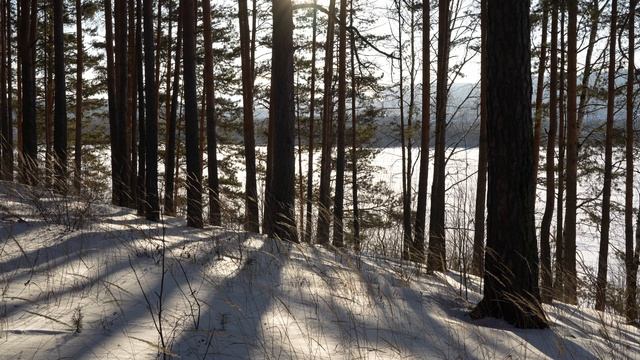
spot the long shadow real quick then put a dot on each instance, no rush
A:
(231, 325)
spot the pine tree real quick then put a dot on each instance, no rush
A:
(511, 261)
(151, 117)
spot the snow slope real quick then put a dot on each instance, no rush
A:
(94, 289)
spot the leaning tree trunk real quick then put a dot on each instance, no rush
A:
(423, 181)
(545, 227)
(282, 189)
(436, 257)
(511, 262)
(194, 165)
(631, 259)
(569, 251)
(338, 204)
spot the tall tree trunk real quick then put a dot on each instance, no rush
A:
(194, 164)
(212, 143)
(111, 99)
(324, 207)
(172, 125)
(142, 158)
(409, 160)
(77, 176)
(282, 190)
(477, 264)
(132, 99)
(49, 98)
(631, 259)
(60, 112)
(4, 115)
(421, 210)
(7, 124)
(312, 120)
(570, 284)
(29, 136)
(558, 285)
(151, 117)
(354, 144)
(436, 257)
(338, 203)
(123, 163)
(251, 193)
(601, 281)
(540, 94)
(406, 208)
(511, 263)
(545, 227)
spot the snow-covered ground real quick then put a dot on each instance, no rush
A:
(95, 289)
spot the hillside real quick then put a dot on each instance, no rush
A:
(85, 281)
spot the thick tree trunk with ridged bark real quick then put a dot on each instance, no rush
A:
(511, 262)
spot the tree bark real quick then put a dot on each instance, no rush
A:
(194, 164)
(338, 203)
(540, 94)
(436, 257)
(172, 121)
(142, 128)
(421, 210)
(545, 227)
(282, 190)
(312, 120)
(354, 134)
(251, 193)
(511, 262)
(570, 281)
(29, 136)
(151, 117)
(631, 259)
(215, 217)
(7, 123)
(601, 280)
(77, 178)
(477, 264)
(324, 207)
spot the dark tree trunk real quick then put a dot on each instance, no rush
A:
(111, 94)
(172, 122)
(338, 200)
(151, 117)
(354, 144)
(601, 281)
(406, 207)
(558, 285)
(29, 136)
(569, 251)
(7, 124)
(132, 94)
(4, 115)
(436, 256)
(212, 143)
(251, 193)
(540, 95)
(312, 121)
(324, 207)
(545, 227)
(511, 263)
(477, 260)
(282, 190)
(123, 163)
(631, 258)
(194, 163)
(594, 13)
(142, 158)
(77, 176)
(421, 210)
